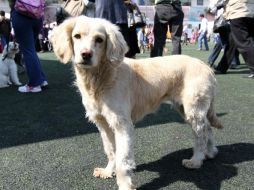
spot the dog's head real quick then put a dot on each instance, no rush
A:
(88, 42)
(11, 51)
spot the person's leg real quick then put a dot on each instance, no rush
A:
(206, 42)
(3, 41)
(228, 55)
(175, 21)
(200, 41)
(125, 32)
(25, 37)
(160, 31)
(177, 29)
(215, 52)
(243, 36)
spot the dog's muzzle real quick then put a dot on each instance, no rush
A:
(86, 55)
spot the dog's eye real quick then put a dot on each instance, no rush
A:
(98, 40)
(77, 36)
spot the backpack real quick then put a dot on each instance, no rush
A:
(30, 8)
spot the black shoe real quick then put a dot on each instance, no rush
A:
(233, 67)
(217, 71)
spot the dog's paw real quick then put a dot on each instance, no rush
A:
(191, 164)
(4, 86)
(127, 188)
(212, 153)
(102, 173)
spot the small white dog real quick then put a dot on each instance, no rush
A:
(8, 67)
(116, 92)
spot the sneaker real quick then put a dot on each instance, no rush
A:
(250, 76)
(44, 84)
(26, 89)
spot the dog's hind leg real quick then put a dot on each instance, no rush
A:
(212, 150)
(199, 123)
(4, 81)
(108, 140)
(14, 75)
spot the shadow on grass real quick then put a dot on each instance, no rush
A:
(209, 176)
(165, 114)
(56, 112)
(60, 118)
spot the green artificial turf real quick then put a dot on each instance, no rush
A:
(47, 143)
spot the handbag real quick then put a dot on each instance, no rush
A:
(219, 23)
(74, 7)
(30, 8)
(136, 18)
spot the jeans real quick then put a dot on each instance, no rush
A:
(26, 32)
(3, 40)
(215, 52)
(202, 36)
(167, 15)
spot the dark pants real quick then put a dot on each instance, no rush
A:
(243, 36)
(229, 50)
(131, 38)
(167, 15)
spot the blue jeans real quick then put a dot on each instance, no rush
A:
(26, 32)
(202, 36)
(215, 52)
(3, 40)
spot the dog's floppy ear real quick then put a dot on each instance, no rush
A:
(61, 40)
(116, 45)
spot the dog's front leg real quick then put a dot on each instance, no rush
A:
(124, 154)
(108, 140)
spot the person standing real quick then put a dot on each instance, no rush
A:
(26, 31)
(5, 29)
(203, 33)
(240, 13)
(142, 40)
(167, 13)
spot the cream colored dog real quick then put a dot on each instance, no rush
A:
(118, 91)
(8, 67)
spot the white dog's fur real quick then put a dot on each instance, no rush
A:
(117, 91)
(8, 67)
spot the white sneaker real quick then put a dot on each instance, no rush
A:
(26, 89)
(44, 84)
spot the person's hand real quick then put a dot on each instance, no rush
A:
(127, 2)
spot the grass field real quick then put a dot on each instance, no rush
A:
(47, 144)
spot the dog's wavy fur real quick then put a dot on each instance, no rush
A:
(117, 91)
(8, 67)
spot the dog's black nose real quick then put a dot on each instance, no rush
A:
(86, 54)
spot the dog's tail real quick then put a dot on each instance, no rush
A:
(212, 117)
